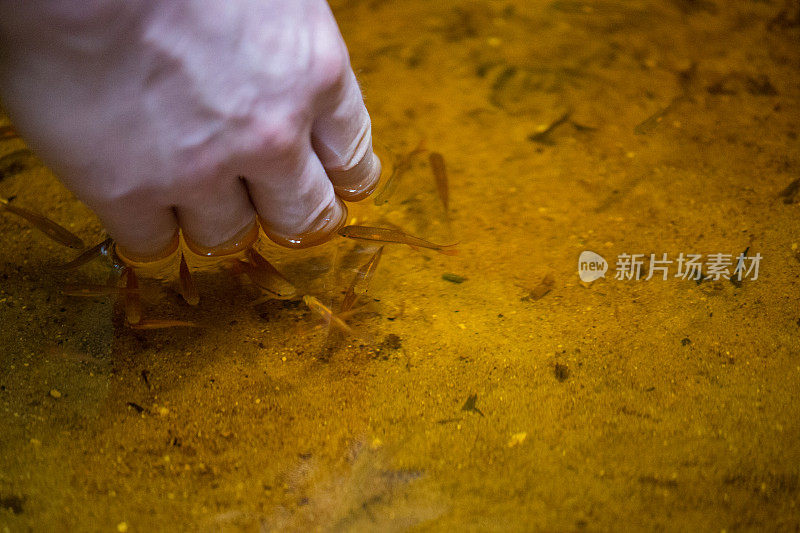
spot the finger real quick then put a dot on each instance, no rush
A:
(144, 230)
(342, 139)
(295, 199)
(216, 216)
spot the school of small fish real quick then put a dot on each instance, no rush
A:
(250, 263)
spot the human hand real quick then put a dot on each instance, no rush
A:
(196, 114)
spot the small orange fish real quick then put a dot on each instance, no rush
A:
(186, 283)
(16, 162)
(401, 166)
(133, 304)
(363, 277)
(327, 315)
(87, 255)
(388, 235)
(58, 233)
(8, 132)
(267, 277)
(440, 174)
(94, 291)
(156, 323)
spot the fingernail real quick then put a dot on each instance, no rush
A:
(324, 226)
(139, 259)
(365, 177)
(243, 240)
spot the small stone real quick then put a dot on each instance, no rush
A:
(122, 527)
(55, 393)
(453, 278)
(517, 438)
(542, 288)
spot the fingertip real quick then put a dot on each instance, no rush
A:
(319, 230)
(240, 242)
(217, 219)
(358, 182)
(142, 235)
(142, 252)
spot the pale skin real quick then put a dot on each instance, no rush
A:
(194, 114)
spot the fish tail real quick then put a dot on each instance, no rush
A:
(449, 249)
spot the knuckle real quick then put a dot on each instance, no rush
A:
(331, 65)
(281, 137)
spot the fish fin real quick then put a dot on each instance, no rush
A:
(449, 249)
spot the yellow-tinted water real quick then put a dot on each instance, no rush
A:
(489, 404)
